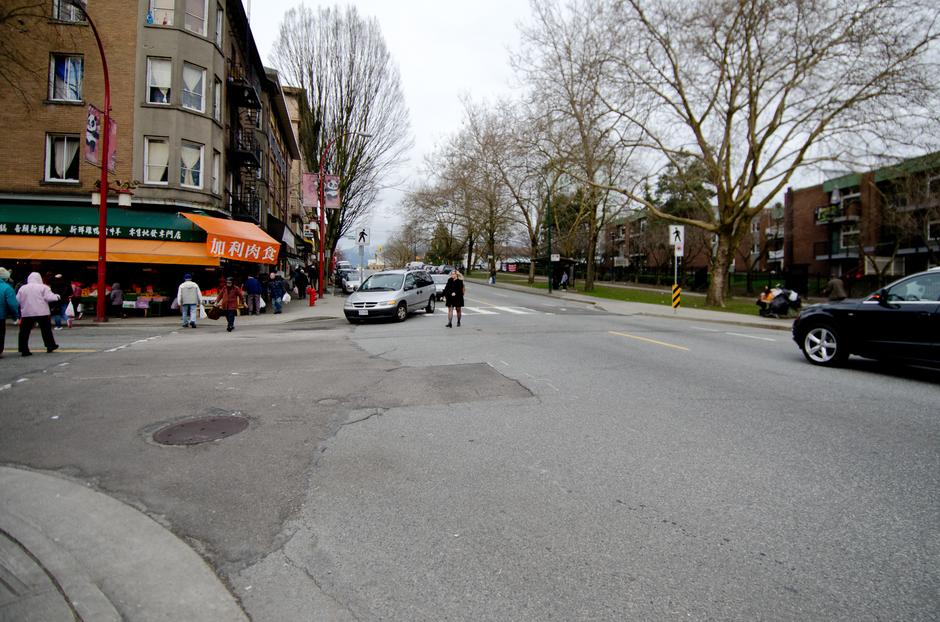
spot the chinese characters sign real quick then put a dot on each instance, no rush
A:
(242, 250)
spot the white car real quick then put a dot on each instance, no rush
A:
(391, 294)
(350, 281)
(440, 281)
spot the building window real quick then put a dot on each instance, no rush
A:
(849, 237)
(216, 170)
(194, 87)
(157, 159)
(191, 165)
(65, 11)
(933, 229)
(161, 12)
(65, 77)
(159, 79)
(219, 15)
(62, 158)
(217, 101)
(195, 20)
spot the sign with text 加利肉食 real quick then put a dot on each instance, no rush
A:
(242, 250)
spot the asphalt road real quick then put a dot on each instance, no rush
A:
(544, 461)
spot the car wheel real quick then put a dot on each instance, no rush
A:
(823, 345)
(402, 312)
(430, 307)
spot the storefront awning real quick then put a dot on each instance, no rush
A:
(119, 250)
(234, 239)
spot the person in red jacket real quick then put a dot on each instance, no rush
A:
(229, 299)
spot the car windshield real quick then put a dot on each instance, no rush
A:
(382, 283)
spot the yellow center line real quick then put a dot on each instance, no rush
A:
(659, 343)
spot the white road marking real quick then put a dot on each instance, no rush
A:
(480, 311)
(516, 311)
(505, 363)
(751, 336)
(6, 386)
(707, 330)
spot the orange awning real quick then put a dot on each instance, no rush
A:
(119, 250)
(234, 239)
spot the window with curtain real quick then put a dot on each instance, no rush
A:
(194, 80)
(161, 12)
(62, 157)
(191, 165)
(217, 101)
(159, 79)
(65, 77)
(195, 20)
(216, 170)
(65, 11)
(219, 15)
(157, 160)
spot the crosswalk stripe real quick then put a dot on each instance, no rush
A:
(479, 310)
(516, 311)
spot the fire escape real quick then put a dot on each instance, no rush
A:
(245, 155)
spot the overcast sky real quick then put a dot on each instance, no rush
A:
(443, 49)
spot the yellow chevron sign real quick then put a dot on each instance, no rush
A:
(676, 296)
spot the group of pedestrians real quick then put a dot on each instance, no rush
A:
(31, 306)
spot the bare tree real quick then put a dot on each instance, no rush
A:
(353, 88)
(758, 88)
(563, 61)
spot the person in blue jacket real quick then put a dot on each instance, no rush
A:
(9, 307)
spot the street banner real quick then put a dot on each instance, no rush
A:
(93, 139)
(309, 190)
(331, 199)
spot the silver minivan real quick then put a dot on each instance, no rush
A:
(391, 294)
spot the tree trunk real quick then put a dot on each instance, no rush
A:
(533, 253)
(718, 271)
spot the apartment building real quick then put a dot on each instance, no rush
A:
(883, 222)
(203, 144)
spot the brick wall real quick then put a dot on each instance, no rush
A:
(22, 160)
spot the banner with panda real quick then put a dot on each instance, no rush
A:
(92, 143)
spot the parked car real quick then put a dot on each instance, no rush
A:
(898, 322)
(440, 280)
(391, 294)
(349, 279)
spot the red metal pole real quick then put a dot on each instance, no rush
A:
(101, 316)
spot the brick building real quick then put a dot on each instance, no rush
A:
(202, 130)
(879, 223)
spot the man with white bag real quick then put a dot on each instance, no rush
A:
(189, 297)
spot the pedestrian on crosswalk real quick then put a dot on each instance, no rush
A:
(453, 296)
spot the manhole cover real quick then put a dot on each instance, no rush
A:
(201, 430)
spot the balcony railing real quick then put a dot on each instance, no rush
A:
(245, 147)
(837, 213)
(773, 232)
(828, 250)
(246, 205)
(774, 255)
(243, 87)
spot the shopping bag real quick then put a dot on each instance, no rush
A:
(286, 298)
(213, 313)
(70, 310)
(262, 303)
(175, 304)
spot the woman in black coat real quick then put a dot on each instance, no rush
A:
(453, 296)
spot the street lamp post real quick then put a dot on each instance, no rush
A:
(322, 253)
(105, 161)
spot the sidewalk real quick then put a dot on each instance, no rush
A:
(330, 306)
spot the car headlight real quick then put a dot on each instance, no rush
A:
(392, 302)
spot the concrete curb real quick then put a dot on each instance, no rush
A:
(110, 561)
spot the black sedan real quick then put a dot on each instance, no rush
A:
(899, 322)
